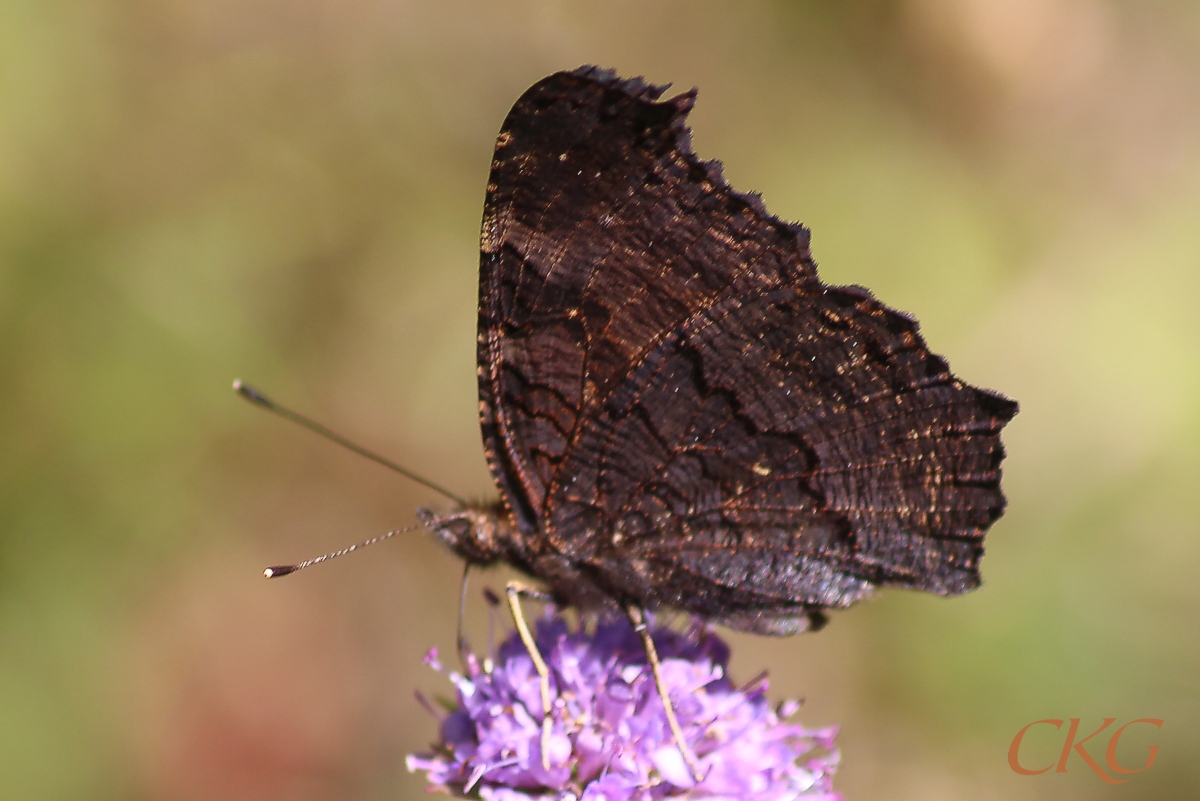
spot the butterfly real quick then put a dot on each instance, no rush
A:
(677, 412)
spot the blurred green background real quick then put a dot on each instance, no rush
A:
(290, 192)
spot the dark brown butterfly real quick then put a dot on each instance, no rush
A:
(677, 412)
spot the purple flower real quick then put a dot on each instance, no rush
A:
(609, 735)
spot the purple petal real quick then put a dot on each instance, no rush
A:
(431, 659)
(670, 763)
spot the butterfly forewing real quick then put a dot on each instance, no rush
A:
(601, 235)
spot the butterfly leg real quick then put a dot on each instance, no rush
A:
(638, 618)
(515, 590)
(460, 640)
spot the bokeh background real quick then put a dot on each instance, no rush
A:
(290, 192)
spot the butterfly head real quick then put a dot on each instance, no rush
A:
(478, 535)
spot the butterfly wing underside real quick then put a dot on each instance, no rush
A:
(671, 398)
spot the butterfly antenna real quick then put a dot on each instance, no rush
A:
(285, 570)
(258, 399)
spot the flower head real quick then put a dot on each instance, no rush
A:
(609, 738)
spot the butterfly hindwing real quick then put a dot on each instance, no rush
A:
(785, 450)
